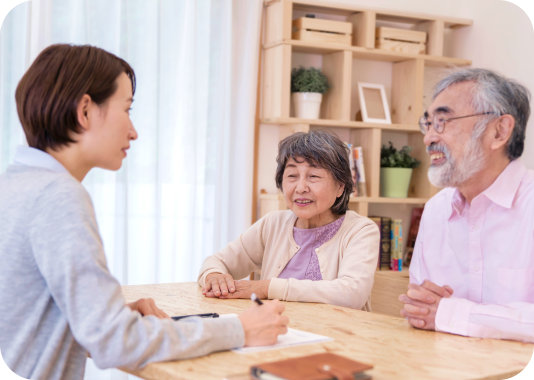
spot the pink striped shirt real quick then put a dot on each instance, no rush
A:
(485, 252)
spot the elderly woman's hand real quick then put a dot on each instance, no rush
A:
(218, 284)
(245, 288)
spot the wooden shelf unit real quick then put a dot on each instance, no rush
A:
(407, 87)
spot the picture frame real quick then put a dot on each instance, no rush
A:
(373, 103)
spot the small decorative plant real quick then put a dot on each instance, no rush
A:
(308, 80)
(393, 158)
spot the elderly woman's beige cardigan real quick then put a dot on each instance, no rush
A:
(348, 261)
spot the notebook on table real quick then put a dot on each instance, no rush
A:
(313, 367)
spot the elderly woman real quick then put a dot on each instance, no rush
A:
(318, 250)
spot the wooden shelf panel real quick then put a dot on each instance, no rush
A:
(381, 14)
(280, 197)
(414, 201)
(368, 54)
(342, 124)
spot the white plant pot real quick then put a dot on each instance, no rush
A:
(307, 104)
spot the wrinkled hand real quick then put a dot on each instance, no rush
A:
(421, 303)
(218, 284)
(262, 324)
(147, 306)
(245, 288)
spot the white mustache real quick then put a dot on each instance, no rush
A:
(439, 148)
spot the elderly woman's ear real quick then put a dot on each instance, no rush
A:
(340, 190)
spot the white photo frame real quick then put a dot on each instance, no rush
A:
(373, 103)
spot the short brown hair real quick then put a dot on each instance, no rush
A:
(47, 96)
(326, 151)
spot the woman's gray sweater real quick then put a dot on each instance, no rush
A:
(58, 300)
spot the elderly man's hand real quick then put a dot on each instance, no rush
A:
(421, 303)
(245, 288)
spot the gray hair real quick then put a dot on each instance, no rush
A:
(495, 93)
(326, 151)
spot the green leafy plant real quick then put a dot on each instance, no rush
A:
(308, 80)
(393, 158)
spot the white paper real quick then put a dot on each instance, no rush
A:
(292, 338)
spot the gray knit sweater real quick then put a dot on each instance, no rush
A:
(58, 300)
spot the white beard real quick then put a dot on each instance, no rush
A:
(453, 173)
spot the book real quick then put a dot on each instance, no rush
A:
(353, 170)
(384, 255)
(415, 220)
(399, 251)
(396, 245)
(359, 172)
(317, 367)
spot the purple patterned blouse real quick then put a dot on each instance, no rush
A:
(305, 264)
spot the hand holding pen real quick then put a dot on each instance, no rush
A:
(263, 322)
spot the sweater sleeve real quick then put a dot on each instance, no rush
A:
(68, 251)
(355, 275)
(239, 258)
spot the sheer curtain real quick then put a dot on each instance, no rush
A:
(185, 189)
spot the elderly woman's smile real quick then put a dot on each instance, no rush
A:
(302, 202)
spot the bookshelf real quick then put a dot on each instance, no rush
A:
(407, 88)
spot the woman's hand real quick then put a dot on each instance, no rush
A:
(147, 306)
(218, 284)
(245, 288)
(262, 324)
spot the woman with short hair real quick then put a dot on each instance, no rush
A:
(318, 250)
(58, 301)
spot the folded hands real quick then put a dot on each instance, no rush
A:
(421, 303)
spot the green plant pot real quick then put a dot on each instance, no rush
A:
(394, 182)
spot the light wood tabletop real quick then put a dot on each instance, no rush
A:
(396, 350)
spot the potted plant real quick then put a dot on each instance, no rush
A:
(308, 87)
(396, 171)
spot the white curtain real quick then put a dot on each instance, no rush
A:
(185, 189)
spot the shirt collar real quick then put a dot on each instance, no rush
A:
(458, 202)
(29, 156)
(502, 191)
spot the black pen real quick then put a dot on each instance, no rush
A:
(255, 298)
(207, 315)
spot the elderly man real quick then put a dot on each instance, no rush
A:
(472, 272)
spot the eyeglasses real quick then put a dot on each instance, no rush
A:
(439, 122)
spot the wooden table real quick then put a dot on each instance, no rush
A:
(396, 350)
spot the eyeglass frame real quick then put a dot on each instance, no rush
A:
(423, 131)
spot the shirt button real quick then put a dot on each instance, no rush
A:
(322, 270)
(475, 269)
(317, 250)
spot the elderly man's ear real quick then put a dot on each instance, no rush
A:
(502, 130)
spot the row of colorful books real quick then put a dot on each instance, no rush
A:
(391, 255)
(358, 170)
